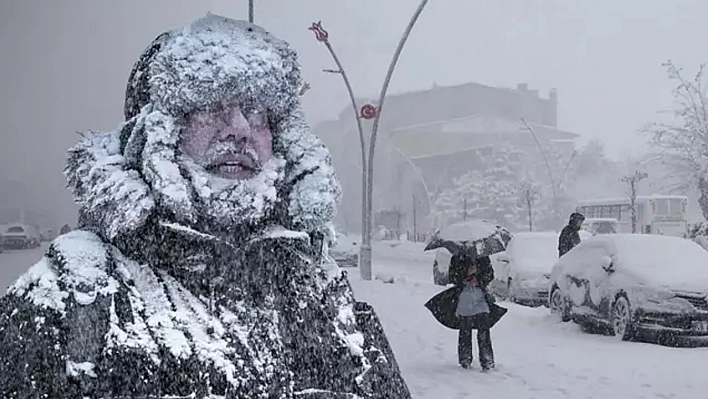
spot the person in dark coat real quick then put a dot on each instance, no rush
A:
(468, 305)
(570, 235)
(65, 229)
(474, 276)
(200, 266)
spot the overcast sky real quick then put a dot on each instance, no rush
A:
(64, 62)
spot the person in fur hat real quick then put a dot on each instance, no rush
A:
(200, 265)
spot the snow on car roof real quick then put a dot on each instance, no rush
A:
(534, 251)
(666, 260)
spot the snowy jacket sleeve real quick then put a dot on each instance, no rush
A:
(33, 357)
(46, 336)
(338, 345)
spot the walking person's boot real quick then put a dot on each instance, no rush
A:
(486, 353)
(464, 345)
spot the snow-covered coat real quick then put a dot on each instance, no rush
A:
(148, 300)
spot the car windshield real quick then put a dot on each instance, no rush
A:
(16, 229)
(605, 228)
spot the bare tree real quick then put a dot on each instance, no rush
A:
(529, 195)
(682, 145)
(632, 181)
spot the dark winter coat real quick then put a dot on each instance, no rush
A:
(568, 239)
(105, 326)
(444, 305)
(147, 299)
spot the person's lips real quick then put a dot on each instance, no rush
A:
(234, 166)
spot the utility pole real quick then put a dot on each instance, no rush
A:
(464, 215)
(415, 218)
(367, 111)
(555, 183)
(250, 11)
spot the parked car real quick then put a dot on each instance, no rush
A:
(630, 284)
(441, 265)
(2, 243)
(597, 226)
(346, 251)
(48, 234)
(18, 236)
(522, 272)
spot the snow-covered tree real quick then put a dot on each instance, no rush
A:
(682, 143)
(490, 192)
(529, 194)
(632, 181)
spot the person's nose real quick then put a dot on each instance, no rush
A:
(237, 127)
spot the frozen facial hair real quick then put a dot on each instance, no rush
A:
(229, 202)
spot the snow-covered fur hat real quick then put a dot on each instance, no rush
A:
(121, 178)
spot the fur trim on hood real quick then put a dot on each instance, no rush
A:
(123, 177)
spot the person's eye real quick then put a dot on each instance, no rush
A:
(256, 117)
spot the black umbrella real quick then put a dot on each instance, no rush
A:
(476, 237)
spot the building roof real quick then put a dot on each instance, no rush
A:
(460, 101)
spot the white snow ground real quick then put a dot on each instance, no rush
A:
(537, 356)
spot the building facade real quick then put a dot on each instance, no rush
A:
(428, 138)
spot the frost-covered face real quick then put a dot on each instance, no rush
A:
(227, 150)
(229, 141)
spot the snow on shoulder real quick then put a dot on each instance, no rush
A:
(76, 264)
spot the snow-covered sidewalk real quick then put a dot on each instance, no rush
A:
(537, 356)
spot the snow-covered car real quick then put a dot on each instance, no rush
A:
(48, 235)
(630, 284)
(346, 251)
(441, 265)
(599, 226)
(20, 236)
(523, 271)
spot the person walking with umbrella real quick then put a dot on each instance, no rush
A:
(468, 305)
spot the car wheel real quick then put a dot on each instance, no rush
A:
(621, 319)
(559, 305)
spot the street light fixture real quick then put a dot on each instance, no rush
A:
(367, 163)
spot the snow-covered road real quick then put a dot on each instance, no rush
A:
(537, 356)
(15, 262)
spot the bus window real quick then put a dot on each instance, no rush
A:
(676, 207)
(661, 207)
(625, 213)
(615, 214)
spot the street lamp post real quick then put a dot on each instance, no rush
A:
(555, 185)
(367, 111)
(250, 11)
